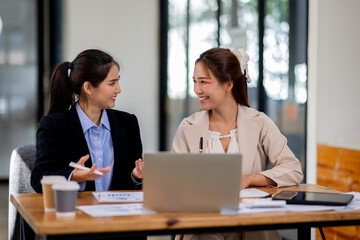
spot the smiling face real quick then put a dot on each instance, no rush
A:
(212, 94)
(104, 96)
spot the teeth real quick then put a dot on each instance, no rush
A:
(203, 98)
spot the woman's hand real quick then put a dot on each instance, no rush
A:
(80, 175)
(257, 180)
(137, 171)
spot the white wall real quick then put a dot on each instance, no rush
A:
(129, 31)
(334, 77)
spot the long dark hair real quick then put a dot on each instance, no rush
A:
(226, 67)
(68, 78)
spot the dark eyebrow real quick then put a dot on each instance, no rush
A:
(115, 79)
(201, 78)
(204, 78)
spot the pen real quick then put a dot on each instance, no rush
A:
(75, 165)
(201, 145)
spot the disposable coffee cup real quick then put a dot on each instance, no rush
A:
(65, 194)
(48, 193)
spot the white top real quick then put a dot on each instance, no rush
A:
(214, 144)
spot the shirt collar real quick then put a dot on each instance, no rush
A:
(86, 123)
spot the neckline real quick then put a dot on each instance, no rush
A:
(218, 134)
(224, 136)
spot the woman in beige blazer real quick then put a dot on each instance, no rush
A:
(227, 124)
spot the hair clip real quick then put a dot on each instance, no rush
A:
(69, 69)
(243, 58)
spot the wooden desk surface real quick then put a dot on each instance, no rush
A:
(30, 206)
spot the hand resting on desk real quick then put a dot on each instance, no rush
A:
(257, 180)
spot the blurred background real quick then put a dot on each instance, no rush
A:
(303, 62)
(156, 78)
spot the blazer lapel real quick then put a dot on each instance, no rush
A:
(248, 138)
(77, 136)
(198, 128)
(80, 144)
(119, 144)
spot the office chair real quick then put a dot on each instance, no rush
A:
(21, 164)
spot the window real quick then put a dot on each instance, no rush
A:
(18, 77)
(274, 34)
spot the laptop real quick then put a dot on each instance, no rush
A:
(188, 182)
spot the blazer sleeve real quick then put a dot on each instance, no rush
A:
(46, 154)
(138, 149)
(286, 169)
(127, 145)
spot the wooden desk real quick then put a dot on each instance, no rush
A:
(30, 206)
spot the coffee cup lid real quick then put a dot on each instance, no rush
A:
(51, 179)
(66, 186)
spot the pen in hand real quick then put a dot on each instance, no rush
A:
(78, 166)
(201, 145)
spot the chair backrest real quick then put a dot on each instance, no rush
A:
(21, 164)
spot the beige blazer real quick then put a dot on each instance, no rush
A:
(258, 137)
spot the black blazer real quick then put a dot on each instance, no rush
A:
(60, 140)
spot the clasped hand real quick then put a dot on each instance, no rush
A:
(256, 179)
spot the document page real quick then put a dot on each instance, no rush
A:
(253, 192)
(108, 210)
(355, 203)
(119, 196)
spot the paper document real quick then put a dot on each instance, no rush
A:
(253, 192)
(243, 209)
(311, 208)
(119, 196)
(109, 210)
(355, 203)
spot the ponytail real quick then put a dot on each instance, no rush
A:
(62, 97)
(91, 66)
(240, 91)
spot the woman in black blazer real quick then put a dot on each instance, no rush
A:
(80, 127)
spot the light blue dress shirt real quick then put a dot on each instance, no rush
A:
(100, 145)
